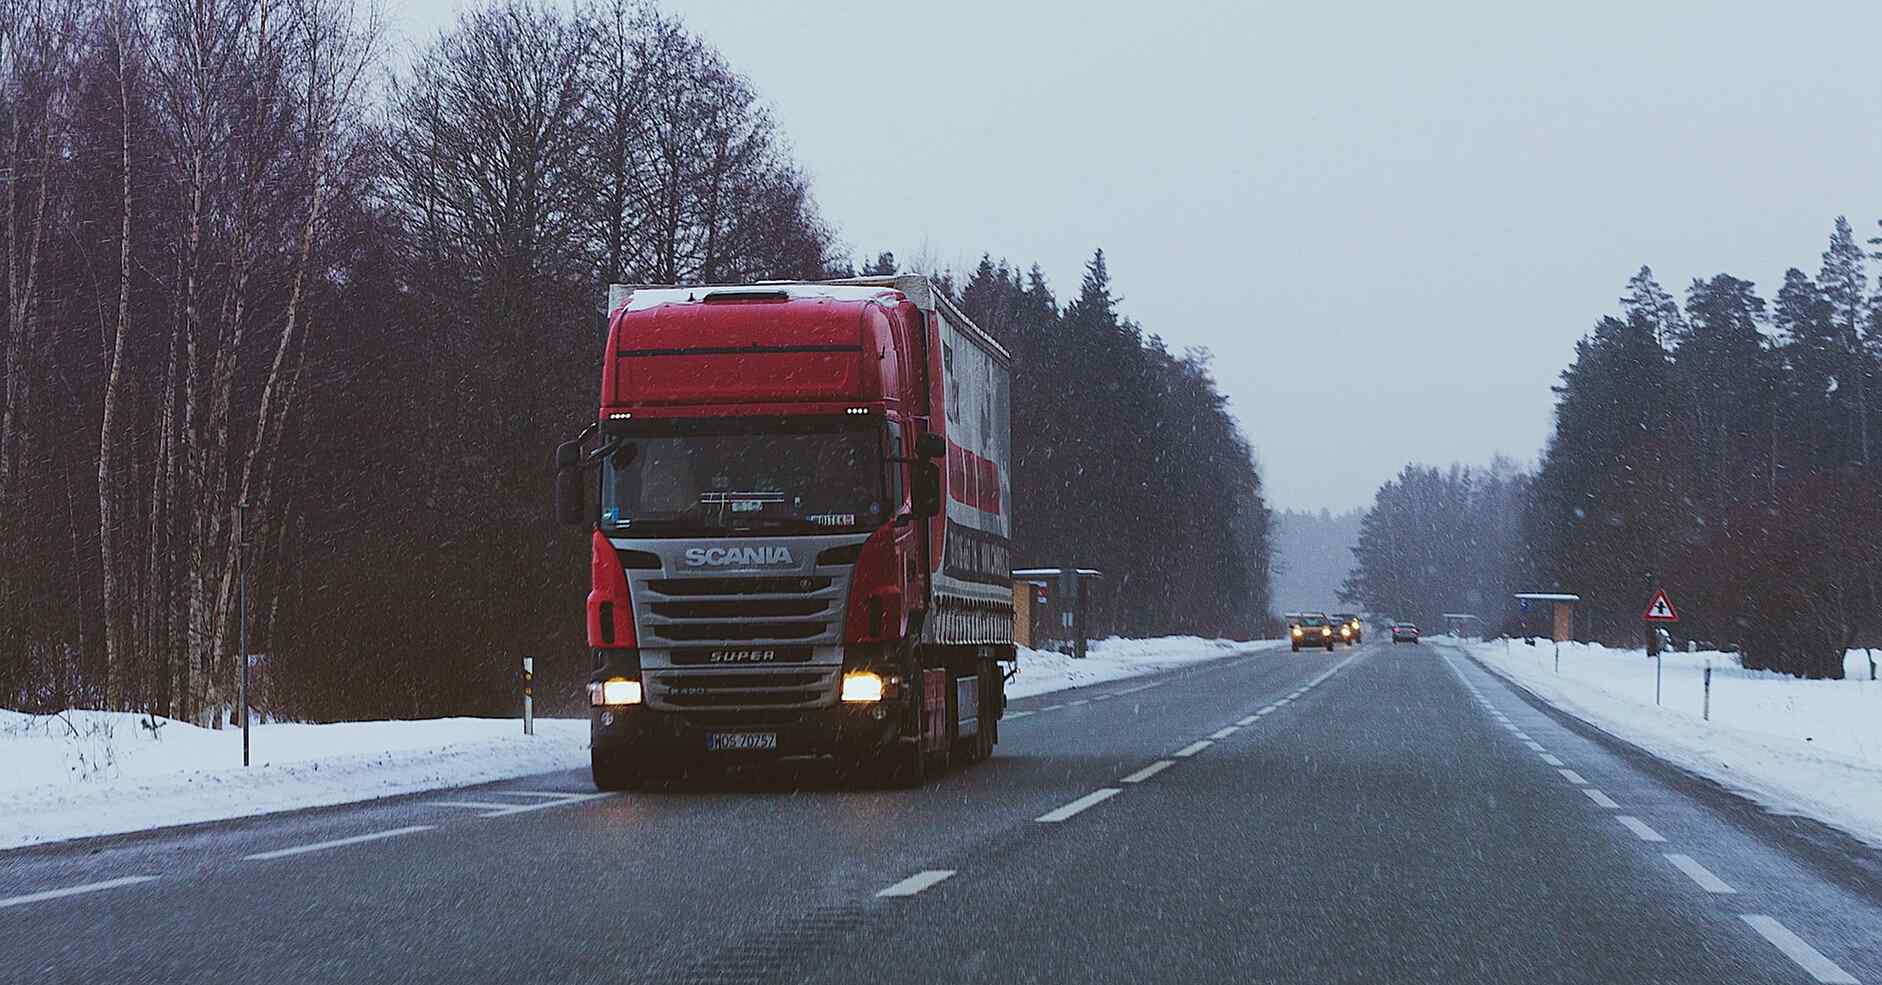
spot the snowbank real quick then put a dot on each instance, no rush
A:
(1795, 746)
(1108, 660)
(85, 773)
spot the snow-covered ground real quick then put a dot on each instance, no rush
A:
(1107, 660)
(1795, 746)
(85, 773)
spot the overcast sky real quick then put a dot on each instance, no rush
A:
(1428, 202)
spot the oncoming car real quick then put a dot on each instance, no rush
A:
(1312, 629)
(1404, 632)
(1348, 626)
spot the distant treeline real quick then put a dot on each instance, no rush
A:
(239, 269)
(1723, 449)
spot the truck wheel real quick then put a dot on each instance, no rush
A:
(903, 764)
(613, 771)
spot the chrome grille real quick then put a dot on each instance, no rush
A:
(740, 611)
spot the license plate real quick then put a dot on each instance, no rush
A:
(741, 741)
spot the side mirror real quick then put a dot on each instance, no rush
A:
(571, 507)
(931, 445)
(925, 490)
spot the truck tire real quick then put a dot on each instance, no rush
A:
(613, 771)
(903, 765)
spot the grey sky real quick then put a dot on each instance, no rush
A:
(1437, 198)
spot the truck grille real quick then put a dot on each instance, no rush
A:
(801, 612)
(744, 689)
(741, 611)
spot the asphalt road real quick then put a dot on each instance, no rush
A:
(1377, 815)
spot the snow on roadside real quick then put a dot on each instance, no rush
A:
(85, 773)
(1795, 746)
(1041, 671)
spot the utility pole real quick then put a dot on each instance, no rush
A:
(241, 566)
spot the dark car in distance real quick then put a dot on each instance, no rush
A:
(1404, 632)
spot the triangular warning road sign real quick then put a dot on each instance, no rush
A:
(1661, 608)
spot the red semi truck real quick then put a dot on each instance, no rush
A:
(801, 522)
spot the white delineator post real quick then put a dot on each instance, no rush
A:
(1707, 714)
(529, 696)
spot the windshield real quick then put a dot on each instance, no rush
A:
(1313, 620)
(769, 475)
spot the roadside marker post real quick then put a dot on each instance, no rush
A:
(529, 695)
(1708, 700)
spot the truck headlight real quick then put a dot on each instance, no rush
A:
(614, 691)
(861, 685)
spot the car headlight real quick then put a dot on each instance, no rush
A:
(1346, 630)
(1296, 630)
(614, 691)
(861, 685)
(1326, 631)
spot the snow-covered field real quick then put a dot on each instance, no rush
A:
(1795, 746)
(85, 773)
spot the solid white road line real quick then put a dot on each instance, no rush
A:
(504, 810)
(557, 794)
(1639, 828)
(1104, 697)
(1699, 873)
(1140, 687)
(1016, 714)
(1795, 948)
(1572, 777)
(917, 882)
(1051, 707)
(1245, 722)
(472, 805)
(1149, 771)
(1089, 800)
(1223, 733)
(1192, 749)
(1600, 799)
(90, 887)
(1080, 701)
(1552, 760)
(336, 843)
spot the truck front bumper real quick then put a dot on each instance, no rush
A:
(844, 731)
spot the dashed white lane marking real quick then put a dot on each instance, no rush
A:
(1250, 720)
(504, 810)
(1639, 828)
(1600, 799)
(1149, 771)
(1051, 707)
(1699, 873)
(321, 846)
(1104, 697)
(1140, 687)
(1553, 760)
(917, 882)
(1080, 701)
(1520, 734)
(90, 887)
(1534, 746)
(1089, 800)
(1795, 948)
(1192, 749)
(1016, 714)
(1269, 710)
(1223, 733)
(1572, 777)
